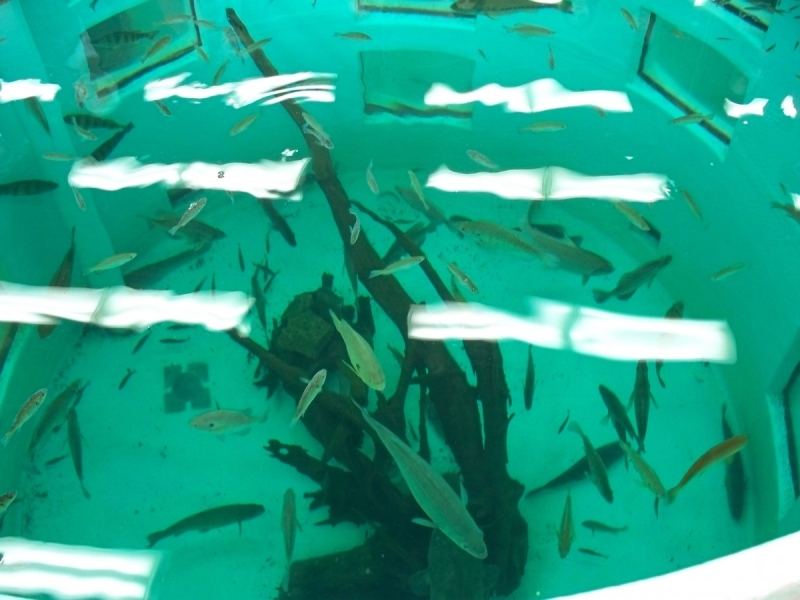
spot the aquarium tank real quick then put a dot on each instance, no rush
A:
(395, 299)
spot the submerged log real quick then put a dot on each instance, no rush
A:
(493, 495)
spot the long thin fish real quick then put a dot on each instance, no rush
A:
(54, 415)
(402, 264)
(362, 357)
(530, 381)
(206, 520)
(719, 452)
(37, 111)
(566, 532)
(673, 312)
(432, 492)
(289, 527)
(609, 453)
(640, 399)
(61, 278)
(598, 526)
(597, 468)
(125, 379)
(619, 418)
(76, 448)
(104, 150)
(735, 480)
(278, 222)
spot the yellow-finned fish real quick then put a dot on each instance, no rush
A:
(566, 532)
(597, 468)
(112, 262)
(158, 45)
(629, 19)
(6, 500)
(364, 362)
(417, 188)
(542, 126)
(460, 275)
(482, 159)
(403, 263)
(432, 492)
(632, 215)
(28, 409)
(191, 213)
(313, 388)
(526, 30)
(223, 421)
(649, 477)
(289, 527)
(244, 124)
(728, 271)
(716, 454)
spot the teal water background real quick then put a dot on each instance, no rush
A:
(146, 469)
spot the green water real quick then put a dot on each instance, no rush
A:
(147, 464)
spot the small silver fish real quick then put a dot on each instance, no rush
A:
(191, 213)
(529, 30)
(542, 127)
(355, 230)
(27, 410)
(79, 199)
(417, 188)
(691, 119)
(322, 139)
(481, 159)
(200, 52)
(163, 108)
(58, 156)
(220, 71)
(313, 388)
(354, 35)
(373, 185)
(629, 19)
(404, 263)
(257, 45)
(112, 262)
(6, 500)
(158, 45)
(728, 272)
(244, 124)
(460, 275)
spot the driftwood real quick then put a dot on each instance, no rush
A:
(493, 495)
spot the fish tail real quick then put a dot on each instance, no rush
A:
(671, 494)
(574, 427)
(376, 273)
(173, 230)
(4, 441)
(153, 538)
(600, 296)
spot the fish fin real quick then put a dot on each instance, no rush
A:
(305, 379)
(630, 400)
(240, 528)
(285, 582)
(576, 240)
(600, 296)
(424, 523)
(574, 427)
(465, 498)
(655, 506)
(627, 296)
(585, 280)
(653, 398)
(605, 420)
(297, 523)
(420, 583)
(346, 364)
